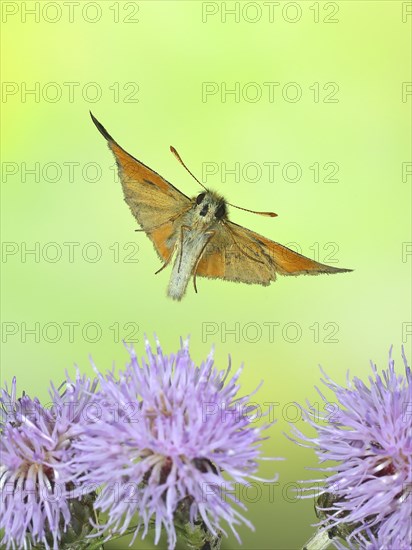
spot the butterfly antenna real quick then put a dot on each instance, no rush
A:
(176, 154)
(270, 214)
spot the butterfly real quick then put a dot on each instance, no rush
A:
(197, 232)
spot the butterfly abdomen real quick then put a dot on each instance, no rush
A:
(187, 256)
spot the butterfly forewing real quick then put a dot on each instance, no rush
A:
(155, 203)
(251, 258)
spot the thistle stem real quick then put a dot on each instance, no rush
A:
(198, 537)
(319, 541)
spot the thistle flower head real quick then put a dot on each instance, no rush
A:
(165, 432)
(369, 541)
(35, 451)
(369, 438)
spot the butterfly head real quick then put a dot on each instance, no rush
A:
(210, 207)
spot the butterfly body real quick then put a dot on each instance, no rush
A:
(198, 227)
(187, 253)
(197, 233)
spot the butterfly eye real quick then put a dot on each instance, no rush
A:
(200, 197)
(220, 211)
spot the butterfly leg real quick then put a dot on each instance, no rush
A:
(210, 234)
(164, 265)
(167, 262)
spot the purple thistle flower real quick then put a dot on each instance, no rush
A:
(370, 542)
(35, 480)
(368, 498)
(164, 434)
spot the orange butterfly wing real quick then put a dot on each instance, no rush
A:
(239, 260)
(155, 203)
(238, 254)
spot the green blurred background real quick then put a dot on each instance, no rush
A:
(141, 67)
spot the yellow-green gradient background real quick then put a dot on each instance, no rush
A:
(169, 53)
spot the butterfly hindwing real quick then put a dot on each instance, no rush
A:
(231, 257)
